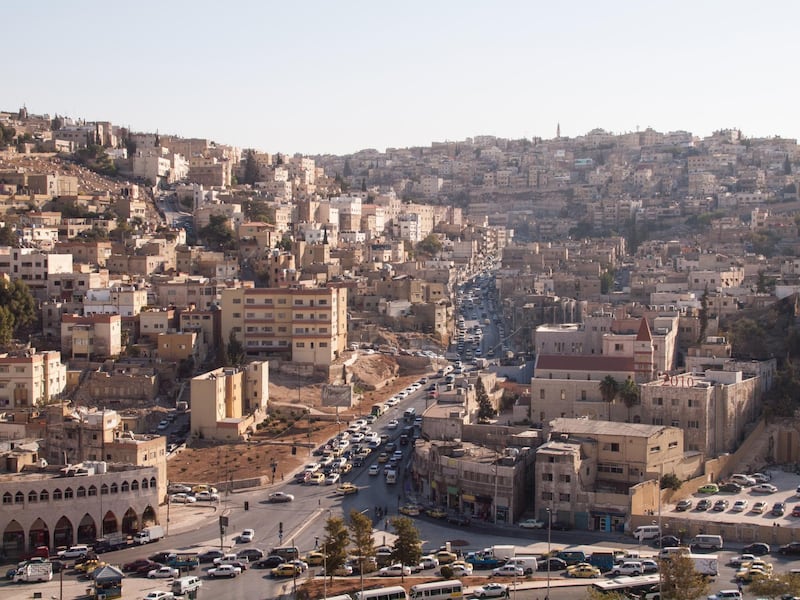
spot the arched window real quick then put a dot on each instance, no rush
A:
(81, 492)
(57, 494)
(134, 486)
(44, 496)
(114, 488)
(104, 490)
(19, 498)
(144, 484)
(7, 498)
(33, 497)
(125, 487)
(153, 482)
(68, 493)
(92, 490)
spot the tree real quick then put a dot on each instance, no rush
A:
(8, 236)
(609, 388)
(17, 309)
(703, 316)
(217, 234)
(334, 546)
(629, 394)
(485, 408)
(407, 548)
(234, 351)
(680, 580)
(251, 172)
(671, 481)
(431, 245)
(784, 584)
(606, 281)
(361, 537)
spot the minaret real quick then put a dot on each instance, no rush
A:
(558, 131)
(643, 353)
(324, 235)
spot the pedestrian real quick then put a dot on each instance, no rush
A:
(386, 526)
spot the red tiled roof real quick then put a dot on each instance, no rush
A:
(644, 332)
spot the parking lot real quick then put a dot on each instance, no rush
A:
(786, 483)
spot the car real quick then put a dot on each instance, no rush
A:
(759, 507)
(179, 488)
(721, 505)
(508, 571)
(790, 548)
(396, 570)
(314, 559)
(74, 552)
(207, 496)
(709, 488)
(739, 560)
(741, 479)
(371, 419)
(343, 571)
(436, 513)
(393, 401)
(159, 595)
(383, 457)
(796, 510)
(629, 567)
(703, 504)
(269, 562)
(763, 488)
(731, 487)
(462, 520)
(445, 557)
(89, 566)
(280, 497)
(778, 509)
(757, 548)
(247, 536)
(649, 565)
(491, 590)
(726, 595)
(346, 489)
(761, 477)
(583, 570)
(560, 526)
(374, 470)
(531, 524)
(683, 505)
(667, 541)
(210, 555)
(224, 571)
(410, 510)
(393, 424)
(163, 573)
(182, 498)
(740, 506)
(461, 569)
(250, 554)
(429, 561)
(332, 479)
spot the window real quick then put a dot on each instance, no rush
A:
(565, 478)
(673, 445)
(7, 499)
(547, 495)
(323, 302)
(250, 301)
(658, 421)
(19, 498)
(134, 486)
(237, 315)
(298, 303)
(689, 403)
(616, 469)
(676, 423)
(92, 491)
(57, 495)
(563, 497)
(81, 492)
(583, 395)
(144, 484)
(237, 300)
(33, 497)
(541, 394)
(104, 490)
(44, 496)
(300, 345)
(618, 347)
(547, 477)
(614, 447)
(323, 344)
(655, 449)
(658, 401)
(68, 493)
(693, 424)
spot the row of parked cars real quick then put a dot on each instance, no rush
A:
(187, 494)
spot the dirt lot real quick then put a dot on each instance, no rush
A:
(206, 462)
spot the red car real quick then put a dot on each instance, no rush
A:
(796, 511)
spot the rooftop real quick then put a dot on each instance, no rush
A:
(589, 427)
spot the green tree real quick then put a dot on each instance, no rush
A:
(629, 394)
(407, 549)
(8, 236)
(334, 545)
(361, 538)
(485, 408)
(748, 340)
(670, 481)
(609, 388)
(606, 281)
(234, 354)
(251, 172)
(17, 309)
(785, 584)
(431, 245)
(680, 580)
(217, 234)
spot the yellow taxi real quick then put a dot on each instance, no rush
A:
(583, 570)
(286, 570)
(347, 488)
(383, 457)
(314, 559)
(445, 558)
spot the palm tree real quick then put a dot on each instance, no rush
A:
(609, 388)
(629, 394)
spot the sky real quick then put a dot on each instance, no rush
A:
(339, 76)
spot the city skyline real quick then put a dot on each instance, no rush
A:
(338, 78)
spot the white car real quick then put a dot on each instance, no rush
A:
(393, 401)
(332, 479)
(73, 552)
(159, 595)
(182, 499)
(508, 571)
(461, 569)
(280, 497)
(764, 488)
(429, 561)
(739, 506)
(393, 424)
(491, 590)
(207, 496)
(394, 571)
(163, 573)
(374, 470)
(247, 536)
(224, 571)
(531, 524)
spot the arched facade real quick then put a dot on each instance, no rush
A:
(58, 511)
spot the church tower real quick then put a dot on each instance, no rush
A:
(643, 353)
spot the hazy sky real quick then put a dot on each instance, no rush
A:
(339, 76)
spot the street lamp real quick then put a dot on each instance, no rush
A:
(549, 529)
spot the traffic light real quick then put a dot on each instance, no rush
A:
(280, 527)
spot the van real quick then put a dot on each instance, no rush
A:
(184, 585)
(707, 542)
(646, 532)
(668, 551)
(572, 557)
(410, 413)
(528, 563)
(287, 552)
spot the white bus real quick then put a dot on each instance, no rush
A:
(437, 590)
(339, 597)
(640, 586)
(394, 592)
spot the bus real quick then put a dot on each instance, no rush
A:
(437, 590)
(394, 592)
(339, 597)
(640, 586)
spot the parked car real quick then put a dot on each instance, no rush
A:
(461, 569)
(531, 524)
(667, 541)
(182, 498)
(552, 564)
(649, 565)
(778, 509)
(684, 505)
(764, 488)
(703, 504)
(207, 496)
(757, 548)
(709, 488)
(731, 487)
(74, 552)
(721, 505)
(394, 571)
(462, 520)
(759, 507)
(738, 560)
(790, 548)
(224, 571)
(491, 590)
(163, 573)
(739, 506)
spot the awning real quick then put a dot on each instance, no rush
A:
(451, 489)
(468, 497)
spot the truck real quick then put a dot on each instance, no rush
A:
(111, 542)
(705, 564)
(183, 561)
(34, 571)
(149, 534)
(377, 410)
(503, 552)
(484, 560)
(602, 560)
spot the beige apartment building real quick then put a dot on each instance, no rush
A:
(227, 401)
(91, 336)
(30, 378)
(307, 324)
(585, 472)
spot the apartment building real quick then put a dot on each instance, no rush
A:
(35, 267)
(93, 336)
(227, 401)
(585, 472)
(127, 301)
(309, 324)
(30, 378)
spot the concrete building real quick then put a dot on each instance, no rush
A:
(126, 301)
(30, 378)
(308, 324)
(93, 336)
